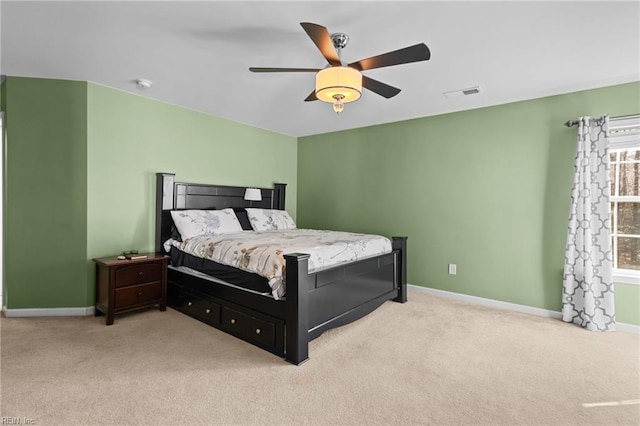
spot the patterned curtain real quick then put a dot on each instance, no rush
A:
(588, 281)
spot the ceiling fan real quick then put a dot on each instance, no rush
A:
(338, 83)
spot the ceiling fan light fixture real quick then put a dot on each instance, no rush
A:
(338, 85)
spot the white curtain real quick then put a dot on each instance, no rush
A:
(588, 275)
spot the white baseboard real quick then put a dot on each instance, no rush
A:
(48, 312)
(629, 328)
(90, 310)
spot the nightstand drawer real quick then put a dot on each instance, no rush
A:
(138, 274)
(138, 294)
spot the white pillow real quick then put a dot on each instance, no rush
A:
(192, 223)
(266, 220)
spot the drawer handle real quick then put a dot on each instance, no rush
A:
(233, 320)
(140, 274)
(190, 303)
(258, 331)
(208, 311)
(139, 293)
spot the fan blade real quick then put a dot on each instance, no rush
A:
(379, 87)
(416, 53)
(311, 97)
(264, 69)
(320, 36)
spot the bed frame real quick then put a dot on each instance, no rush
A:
(313, 303)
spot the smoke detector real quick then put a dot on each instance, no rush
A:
(463, 92)
(143, 83)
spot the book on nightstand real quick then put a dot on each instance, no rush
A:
(135, 256)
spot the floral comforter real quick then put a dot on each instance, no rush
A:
(263, 252)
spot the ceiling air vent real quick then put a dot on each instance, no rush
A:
(462, 92)
(471, 91)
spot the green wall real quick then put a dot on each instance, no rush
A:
(80, 178)
(487, 189)
(45, 211)
(132, 137)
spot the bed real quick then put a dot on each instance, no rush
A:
(314, 302)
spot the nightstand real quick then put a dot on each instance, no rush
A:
(129, 285)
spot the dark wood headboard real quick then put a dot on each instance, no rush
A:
(172, 195)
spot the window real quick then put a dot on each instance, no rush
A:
(624, 155)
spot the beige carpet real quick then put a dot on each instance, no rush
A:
(430, 361)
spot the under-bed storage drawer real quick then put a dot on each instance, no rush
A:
(205, 310)
(255, 327)
(248, 326)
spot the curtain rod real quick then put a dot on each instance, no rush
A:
(572, 123)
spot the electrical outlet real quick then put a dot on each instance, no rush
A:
(452, 268)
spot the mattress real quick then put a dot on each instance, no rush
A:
(262, 253)
(228, 274)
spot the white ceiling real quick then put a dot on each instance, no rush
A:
(198, 53)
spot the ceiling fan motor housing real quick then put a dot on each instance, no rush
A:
(340, 40)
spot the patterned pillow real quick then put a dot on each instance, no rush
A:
(192, 223)
(266, 220)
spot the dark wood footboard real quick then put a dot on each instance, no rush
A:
(337, 296)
